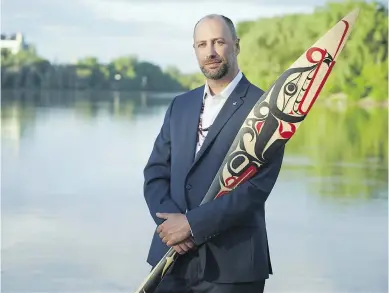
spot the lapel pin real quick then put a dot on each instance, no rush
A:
(234, 103)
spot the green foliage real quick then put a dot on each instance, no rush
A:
(25, 57)
(191, 81)
(25, 70)
(269, 46)
(124, 65)
(188, 81)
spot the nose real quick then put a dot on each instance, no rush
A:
(211, 52)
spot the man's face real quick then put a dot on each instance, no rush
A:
(214, 48)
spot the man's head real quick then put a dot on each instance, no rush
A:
(216, 46)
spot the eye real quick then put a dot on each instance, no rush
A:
(201, 45)
(220, 42)
(290, 88)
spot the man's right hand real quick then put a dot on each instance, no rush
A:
(184, 246)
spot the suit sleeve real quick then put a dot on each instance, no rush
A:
(157, 173)
(229, 210)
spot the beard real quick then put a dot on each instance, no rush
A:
(217, 73)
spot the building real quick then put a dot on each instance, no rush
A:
(14, 42)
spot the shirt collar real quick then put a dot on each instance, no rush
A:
(226, 92)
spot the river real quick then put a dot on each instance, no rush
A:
(74, 218)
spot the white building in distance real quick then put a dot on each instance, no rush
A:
(14, 42)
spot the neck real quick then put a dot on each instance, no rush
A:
(218, 85)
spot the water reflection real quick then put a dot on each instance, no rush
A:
(88, 104)
(20, 108)
(74, 219)
(348, 144)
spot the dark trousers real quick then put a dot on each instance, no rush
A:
(184, 278)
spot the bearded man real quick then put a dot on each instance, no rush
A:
(223, 244)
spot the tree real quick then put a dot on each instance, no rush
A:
(270, 45)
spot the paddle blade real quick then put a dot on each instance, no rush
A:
(279, 112)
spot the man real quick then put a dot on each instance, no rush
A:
(223, 243)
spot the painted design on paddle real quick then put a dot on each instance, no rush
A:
(274, 120)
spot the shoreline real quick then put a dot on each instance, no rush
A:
(335, 100)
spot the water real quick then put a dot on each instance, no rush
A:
(74, 218)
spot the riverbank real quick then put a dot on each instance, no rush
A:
(336, 101)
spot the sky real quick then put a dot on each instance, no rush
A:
(155, 31)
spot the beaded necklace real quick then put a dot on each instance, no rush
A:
(200, 129)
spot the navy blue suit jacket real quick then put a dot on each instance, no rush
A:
(231, 230)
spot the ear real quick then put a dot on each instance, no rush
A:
(237, 46)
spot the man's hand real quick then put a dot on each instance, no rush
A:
(184, 246)
(174, 230)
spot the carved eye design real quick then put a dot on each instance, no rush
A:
(290, 89)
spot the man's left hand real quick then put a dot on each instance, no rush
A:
(175, 229)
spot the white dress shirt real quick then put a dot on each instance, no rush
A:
(213, 105)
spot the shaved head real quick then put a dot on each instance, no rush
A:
(228, 22)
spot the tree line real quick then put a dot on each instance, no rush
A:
(268, 47)
(27, 70)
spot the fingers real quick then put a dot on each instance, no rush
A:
(181, 248)
(190, 244)
(162, 215)
(184, 246)
(176, 238)
(178, 249)
(161, 232)
(170, 239)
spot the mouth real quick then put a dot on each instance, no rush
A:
(213, 64)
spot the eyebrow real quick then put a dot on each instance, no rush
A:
(219, 38)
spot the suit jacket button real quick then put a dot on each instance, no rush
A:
(188, 186)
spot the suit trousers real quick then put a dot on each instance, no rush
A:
(184, 278)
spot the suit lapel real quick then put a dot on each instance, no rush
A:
(233, 102)
(191, 125)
